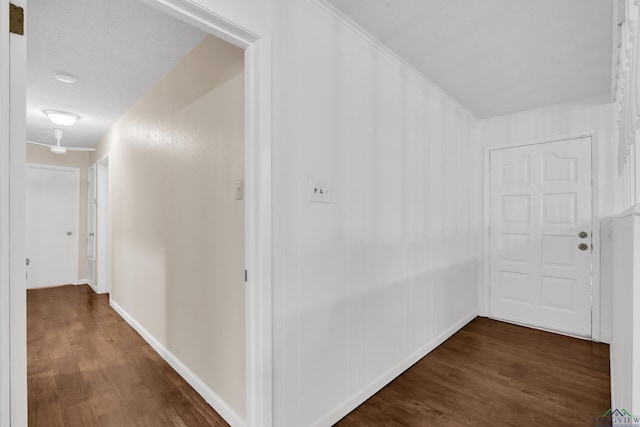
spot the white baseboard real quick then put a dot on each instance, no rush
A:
(220, 406)
(357, 399)
(82, 282)
(93, 286)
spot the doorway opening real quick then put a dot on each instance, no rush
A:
(257, 214)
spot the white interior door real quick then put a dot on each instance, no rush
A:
(541, 234)
(91, 225)
(52, 225)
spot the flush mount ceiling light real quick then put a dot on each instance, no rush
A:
(61, 117)
(65, 77)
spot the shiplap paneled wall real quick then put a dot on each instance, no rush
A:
(562, 121)
(366, 285)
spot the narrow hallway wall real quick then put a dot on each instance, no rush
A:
(178, 230)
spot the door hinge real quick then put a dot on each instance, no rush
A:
(245, 275)
(16, 19)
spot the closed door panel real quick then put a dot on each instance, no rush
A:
(540, 235)
(52, 216)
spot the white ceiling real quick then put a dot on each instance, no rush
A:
(118, 49)
(494, 56)
(498, 56)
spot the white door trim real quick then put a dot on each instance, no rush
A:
(76, 211)
(257, 48)
(103, 229)
(13, 318)
(484, 290)
(91, 270)
(13, 384)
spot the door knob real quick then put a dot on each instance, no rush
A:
(583, 234)
(69, 233)
(583, 246)
(28, 261)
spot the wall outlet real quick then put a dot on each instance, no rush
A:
(319, 191)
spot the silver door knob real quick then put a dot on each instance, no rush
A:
(583, 234)
(91, 234)
(583, 246)
(69, 233)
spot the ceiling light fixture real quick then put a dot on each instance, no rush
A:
(65, 77)
(61, 117)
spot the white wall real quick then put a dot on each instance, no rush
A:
(569, 120)
(366, 285)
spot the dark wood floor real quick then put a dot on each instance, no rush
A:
(496, 374)
(87, 367)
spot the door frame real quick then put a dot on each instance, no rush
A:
(76, 212)
(257, 148)
(91, 272)
(484, 290)
(258, 236)
(103, 225)
(13, 307)
(257, 166)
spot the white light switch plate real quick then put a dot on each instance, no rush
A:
(319, 191)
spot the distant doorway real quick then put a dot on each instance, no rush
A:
(52, 199)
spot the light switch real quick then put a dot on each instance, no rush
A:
(319, 191)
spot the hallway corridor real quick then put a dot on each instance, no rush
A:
(88, 367)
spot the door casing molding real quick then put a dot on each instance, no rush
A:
(257, 48)
(13, 307)
(257, 148)
(102, 227)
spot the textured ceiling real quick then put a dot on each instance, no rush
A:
(498, 56)
(118, 49)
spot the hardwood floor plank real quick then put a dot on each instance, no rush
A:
(87, 367)
(496, 374)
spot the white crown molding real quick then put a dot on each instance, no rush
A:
(401, 62)
(200, 17)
